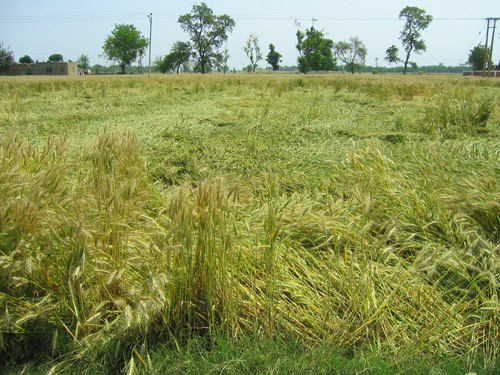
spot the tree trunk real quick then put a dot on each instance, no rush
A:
(407, 59)
(203, 62)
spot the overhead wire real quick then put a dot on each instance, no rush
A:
(241, 17)
(472, 44)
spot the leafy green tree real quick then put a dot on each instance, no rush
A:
(315, 51)
(165, 64)
(391, 55)
(208, 32)
(125, 45)
(476, 57)
(221, 59)
(98, 68)
(178, 56)
(252, 50)
(6, 58)
(352, 53)
(56, 57)
(416, 21)
(273, 57)
(83, 62)
(26, 60)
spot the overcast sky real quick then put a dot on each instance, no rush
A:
(71, 28)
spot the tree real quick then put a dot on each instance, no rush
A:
(273, 58)
(252, 50)
(221, 59)
(178, 56)
(208, 32)
(416, 21)
(352, 53)
(165, 64)
(476, 57)
(124, 45)
(315, 51)
(56, 57)
(83, 62)
(98, 68)
(26, 60)
(6, 58)
(391, 55)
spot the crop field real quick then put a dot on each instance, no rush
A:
(351, 217)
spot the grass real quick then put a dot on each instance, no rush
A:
(197, 356)
(218, 220)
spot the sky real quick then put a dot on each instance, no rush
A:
(71, 28)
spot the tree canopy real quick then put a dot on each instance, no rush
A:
(273, 57)
(26, 60)
(208, 32)
(416, 21)
(315, 51)
(392, 54)
(56, 57)
(252, 50)
(178, 56)
(352, 53)
(476, 57)
(83, 62)
(125, 45)
(220, 61)
(6, 58)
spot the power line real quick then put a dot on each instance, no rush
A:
(118, 16)
(472, 44)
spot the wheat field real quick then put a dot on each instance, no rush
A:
(362, 212)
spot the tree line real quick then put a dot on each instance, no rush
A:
(209, 32)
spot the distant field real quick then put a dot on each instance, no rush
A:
(355, 213)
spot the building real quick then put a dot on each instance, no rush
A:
(479, 73)
(45, 69)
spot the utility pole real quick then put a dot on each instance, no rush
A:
(491, 45)
(150, 17)
(486, 47)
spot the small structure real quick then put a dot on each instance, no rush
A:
(479, 73)
(19, 69)
(45, 69)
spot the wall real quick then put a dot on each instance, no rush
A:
(59, 68)
(479, 73)
(44, 69)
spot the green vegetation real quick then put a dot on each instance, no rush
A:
(178, 56)
(416, 21)
(479, 57)
(56, 57)
(208, 32)
(252, 50)
(273, 58)
(125, 45)
(6, 58)
(315, 51)
(83, 62)
(26, 60)
(250, 224)
(352, 53)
